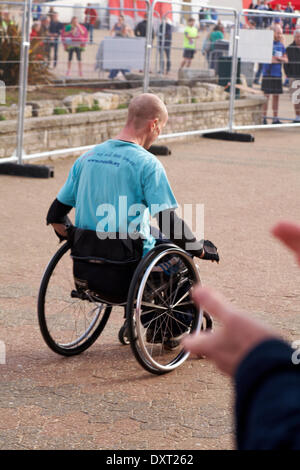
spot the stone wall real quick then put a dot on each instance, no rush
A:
(74, 130)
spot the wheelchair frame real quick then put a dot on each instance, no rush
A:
(158, 304)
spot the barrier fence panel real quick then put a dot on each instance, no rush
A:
(12, 17)
(69, 67)
(71, 72)
(199, 66)
(268, 57)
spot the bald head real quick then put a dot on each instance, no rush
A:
(144, 108)
(297, 37)
(277, 32)
(147, 116)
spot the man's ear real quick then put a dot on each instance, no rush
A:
(154, 123)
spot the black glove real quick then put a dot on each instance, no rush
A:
(210, 251)
(69, 228)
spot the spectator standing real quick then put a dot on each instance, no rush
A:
(35, 30)
(74, 38)
(55, 30)
(266, 20)
(189, 43)
(36, 42)
(5, 23)
(36, 11)
(207, 14)
(288, 21)
(278, 19)
(45, 34)
(120, 30)
(51, 13)
(250, 7)
(165, 44)
(217, 34)
(272, 76)
(90, 20)
(292, 70)
(214, 14)
(258, 18)
(141, 28)
(201, 16)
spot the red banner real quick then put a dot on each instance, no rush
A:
(284, 3)
(128, 4)
(160, 8)
(114, 4)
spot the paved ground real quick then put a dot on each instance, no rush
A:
(103, 399)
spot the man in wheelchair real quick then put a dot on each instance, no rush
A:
(115, 188)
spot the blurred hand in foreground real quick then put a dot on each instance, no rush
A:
(230, 343)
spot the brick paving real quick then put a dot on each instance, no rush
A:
(103, 399)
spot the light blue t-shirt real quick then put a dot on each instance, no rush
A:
(115, 187)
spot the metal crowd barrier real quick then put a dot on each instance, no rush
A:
(240, 21)
(252, 18)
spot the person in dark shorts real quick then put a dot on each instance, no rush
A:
(74, 38)
(272, 76)
(189, 43)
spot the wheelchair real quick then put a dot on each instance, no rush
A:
(159, 310)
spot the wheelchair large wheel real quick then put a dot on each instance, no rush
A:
(70, 322)
(160, 311)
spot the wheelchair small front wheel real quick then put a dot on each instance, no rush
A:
(160, 310)
(124, 335)
(207, 323)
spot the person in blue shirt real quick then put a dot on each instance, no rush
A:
(36, 11)
(272, 76)
(119, 184)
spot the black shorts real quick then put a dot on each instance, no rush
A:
(77, 51)
(271, 85)
(188, 53)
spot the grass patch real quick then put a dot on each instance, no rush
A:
(60, 111)
(96, 107)
(82, 108)
(123, 106)
(2, 118)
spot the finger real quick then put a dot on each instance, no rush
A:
(211, 301)
(200, 344)
(289, 234)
